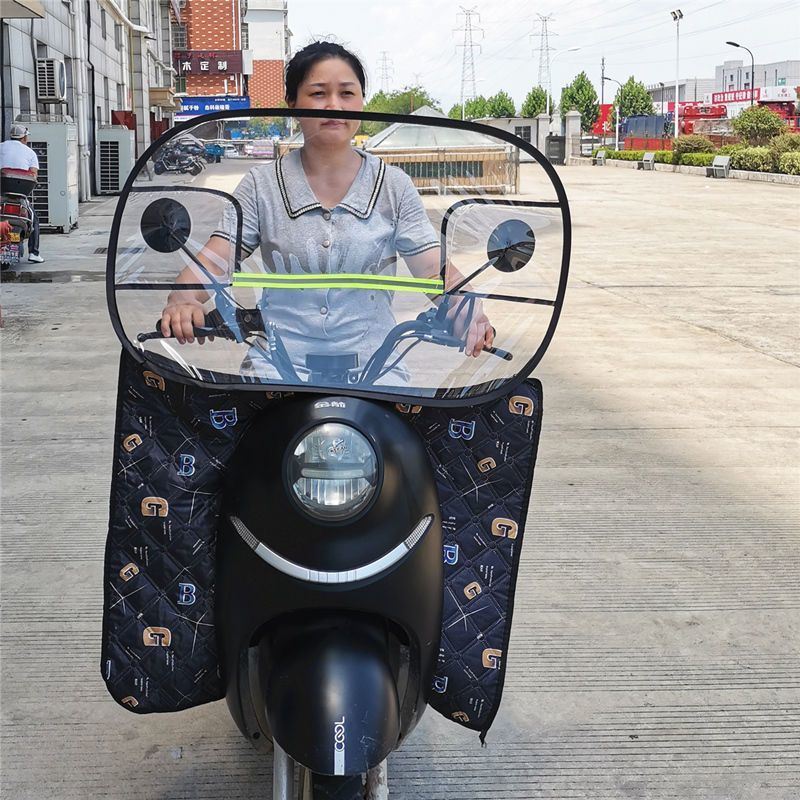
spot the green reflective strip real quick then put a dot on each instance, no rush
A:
(339, 281)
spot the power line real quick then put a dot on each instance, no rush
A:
(385, 68)
(468, 88)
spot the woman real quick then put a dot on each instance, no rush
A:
(326, 208)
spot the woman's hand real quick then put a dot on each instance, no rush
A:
(480, 333)
(182, 314)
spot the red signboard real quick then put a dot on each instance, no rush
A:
(602, 125)
(739, 96)
(207, 62)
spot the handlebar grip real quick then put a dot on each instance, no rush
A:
(496, 351)
(202, 331)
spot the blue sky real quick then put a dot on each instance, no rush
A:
(636, 37)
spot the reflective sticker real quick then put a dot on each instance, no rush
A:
(343, 280)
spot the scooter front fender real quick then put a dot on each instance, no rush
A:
(331, 697)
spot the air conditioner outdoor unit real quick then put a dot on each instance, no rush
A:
(51, 80)
(115, 158)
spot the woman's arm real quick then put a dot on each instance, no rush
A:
(184, 308)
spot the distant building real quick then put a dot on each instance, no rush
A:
(735, 75)
(690, 90)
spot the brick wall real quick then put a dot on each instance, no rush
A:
(208, 85)
(210, 24)
(266, 84)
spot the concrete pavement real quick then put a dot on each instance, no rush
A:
(656, 645)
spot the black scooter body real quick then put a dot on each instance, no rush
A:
(336, 672)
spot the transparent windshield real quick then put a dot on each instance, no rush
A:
(428, 261)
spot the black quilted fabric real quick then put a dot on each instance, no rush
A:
(172, 445)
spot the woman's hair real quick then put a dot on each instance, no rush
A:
(303, 60)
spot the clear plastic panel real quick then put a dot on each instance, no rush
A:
(374, 291)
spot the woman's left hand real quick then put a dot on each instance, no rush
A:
(480, 333)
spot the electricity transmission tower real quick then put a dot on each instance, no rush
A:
(468, 90)
(544, 54)
(385, 68)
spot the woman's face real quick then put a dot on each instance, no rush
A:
(330, 84)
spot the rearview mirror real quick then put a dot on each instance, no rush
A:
(512, 244)
(166, 225)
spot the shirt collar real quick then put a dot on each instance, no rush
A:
(298, 197)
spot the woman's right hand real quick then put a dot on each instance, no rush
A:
(181, 316)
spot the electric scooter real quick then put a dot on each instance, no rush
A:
(329, 538)
(16, 188)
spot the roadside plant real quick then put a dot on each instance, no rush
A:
(697, 159)
(692, 143)
(633, 100)
(790, 163)
(757, 125)
(784, 143)
(755, 159)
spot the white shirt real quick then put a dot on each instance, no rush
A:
(15, 155)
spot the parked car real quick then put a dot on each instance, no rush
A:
(230, 151)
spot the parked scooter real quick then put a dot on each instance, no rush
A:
(176, 159)
(16, 188)
(328, 585)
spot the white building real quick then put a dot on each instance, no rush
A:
(690, 90)
(735, 75)
(116, 57)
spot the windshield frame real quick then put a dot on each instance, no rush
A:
(482, 393)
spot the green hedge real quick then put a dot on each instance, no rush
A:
(755, 159)
(663, 157)
(730, 149)
(784, 143)
(697, 159)
(790, 162)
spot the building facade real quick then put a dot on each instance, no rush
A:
(116, 69)
(230, 55)
(270, 41)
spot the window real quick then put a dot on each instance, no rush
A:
(24, 100)
(245, 36)
(107, 96)
(120, 96)
(99, 115)
(179, 38)
(104, 22)
(41, 50)
(523, 131)
(118, 36)
(180, 85)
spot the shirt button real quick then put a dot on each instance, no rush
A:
(323, 310)
(326, 215)
(326, 243)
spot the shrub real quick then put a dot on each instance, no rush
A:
(625, 155)
(691, 144)
(755, 159)
(663, 157)
(698, 159)
(790, 162)
(784, 143)
(757, 125)
(730, 149)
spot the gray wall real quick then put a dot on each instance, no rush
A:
(735, 74)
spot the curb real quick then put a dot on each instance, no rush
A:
(738, 174)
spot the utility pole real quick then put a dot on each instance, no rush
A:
(468, 90)
(677, 16)
(385, 70)
(602, 81)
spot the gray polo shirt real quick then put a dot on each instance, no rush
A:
(380, 217)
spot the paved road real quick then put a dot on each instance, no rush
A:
(656, 649)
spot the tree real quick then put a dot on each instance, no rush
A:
(455, 111)
(501, 105)
(757, 125)
(581, 96)
(476, 108)
(632, 100)
(535, 103)
(401, 101)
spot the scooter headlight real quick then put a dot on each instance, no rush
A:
(333, 472)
